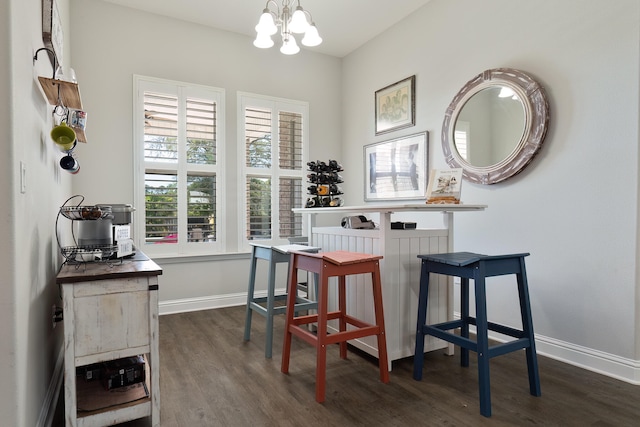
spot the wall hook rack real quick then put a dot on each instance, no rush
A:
(63, 95)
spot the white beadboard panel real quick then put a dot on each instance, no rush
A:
(400, 272)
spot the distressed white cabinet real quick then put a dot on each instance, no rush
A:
(400, 271)
(110, 312)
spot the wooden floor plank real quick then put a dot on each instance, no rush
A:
(210, 377)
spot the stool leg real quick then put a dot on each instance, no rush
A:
(527, 326)
(321, 346)
(250, 293)
(271, 291)
(464, 314)
(483, 344)
(418, 355)
(342, 306)
(291, 302)
(383, 363)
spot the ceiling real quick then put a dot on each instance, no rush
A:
(336, 20)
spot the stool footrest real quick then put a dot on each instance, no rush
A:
(450, 337)
(495, 327)
(353, 334)
(313, 318)
(335, 337)
(364, 329)
(261, 300)
(439, 330)
(508, 347)
(505, 330)
(263, 310)
(301, 305)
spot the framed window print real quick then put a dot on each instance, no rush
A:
(396, 169)
(396, 106)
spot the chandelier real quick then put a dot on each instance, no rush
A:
(289, 24)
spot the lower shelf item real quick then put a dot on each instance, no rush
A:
(93, 397)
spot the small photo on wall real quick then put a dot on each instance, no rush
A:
(395, 106)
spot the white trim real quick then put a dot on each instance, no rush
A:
(208, 303)
(202, 303)
(50, 403)
(621, 368)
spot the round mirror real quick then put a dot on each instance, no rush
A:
(495, 125)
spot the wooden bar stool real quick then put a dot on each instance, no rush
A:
(467, 265)
(265, 306)
(325, 265)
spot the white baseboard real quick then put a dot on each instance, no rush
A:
(48, 410)
(621, 368)
(204, 303)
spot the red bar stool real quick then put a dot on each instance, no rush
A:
(325, 265)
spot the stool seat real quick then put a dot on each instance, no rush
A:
(462, 259)
(325, 265)
(469, 265)
(265, 306)
(342, 257)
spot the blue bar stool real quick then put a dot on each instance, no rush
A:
(467, 265)
(265, 306)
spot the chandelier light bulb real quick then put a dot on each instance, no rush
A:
(263, 41)
(311, 37)
(266, 25)
(298, 23)
(289, 46)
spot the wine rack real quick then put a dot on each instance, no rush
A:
(324, 189)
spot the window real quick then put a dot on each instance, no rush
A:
(461, 137)
(179, 144)
(273, 149)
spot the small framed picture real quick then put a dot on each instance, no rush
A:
(396, 169)
(396, 106)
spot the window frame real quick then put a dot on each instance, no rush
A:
(182, 90)
(275, 105)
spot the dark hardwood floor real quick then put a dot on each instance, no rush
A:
(210, 377)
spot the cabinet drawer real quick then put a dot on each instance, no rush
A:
(110, 322)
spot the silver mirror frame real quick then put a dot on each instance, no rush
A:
(536, 110)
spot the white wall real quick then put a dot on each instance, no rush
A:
(31, 348)
(105, 60)
(575, 206)
(7, 334)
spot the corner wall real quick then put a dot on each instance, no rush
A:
(31, 352)
(8, 401)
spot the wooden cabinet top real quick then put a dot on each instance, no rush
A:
(139, 265)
